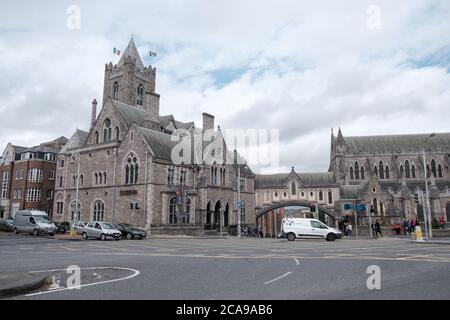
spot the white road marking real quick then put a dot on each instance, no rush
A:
(135, 273)
(280, 277)
(296, 261)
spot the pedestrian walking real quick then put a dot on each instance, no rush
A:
(378, 229)
(349, 230)
(374, 230)
(442, 222)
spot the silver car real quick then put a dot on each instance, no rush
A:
(101, 230)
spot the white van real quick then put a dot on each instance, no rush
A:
(308, 228)
(34, 222)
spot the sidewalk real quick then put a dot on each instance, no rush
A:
(14, 284)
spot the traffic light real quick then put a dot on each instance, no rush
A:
(416, 198)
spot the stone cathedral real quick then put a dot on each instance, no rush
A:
(126, 173)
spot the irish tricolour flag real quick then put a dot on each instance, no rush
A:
(115, 51)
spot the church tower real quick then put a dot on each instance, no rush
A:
(130, 82)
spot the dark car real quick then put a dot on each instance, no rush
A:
(61, 227)
(130, 232)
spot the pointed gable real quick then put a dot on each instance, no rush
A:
(131, 52)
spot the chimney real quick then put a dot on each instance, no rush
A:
(151, 106)
(208, 121)
(94, 112)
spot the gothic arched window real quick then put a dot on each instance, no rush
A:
(131, 169)
(107, 131)
(401, 171)
(375, 171)
(116, 133)
(433, 168)
(330, 197)
(407, 172)
(381, 167)
(356, 171)
(413, 171)
(293, 189)
(386, 172)
(440, 175)
(96, 135)
(351, 173)
(362, 173)
(320, 196)
(115, 95)
(140, 95)
(99, 211)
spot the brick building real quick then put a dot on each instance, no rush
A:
(27, 177)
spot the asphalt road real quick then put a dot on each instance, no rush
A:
(231, 268)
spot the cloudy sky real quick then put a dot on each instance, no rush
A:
(370, 67)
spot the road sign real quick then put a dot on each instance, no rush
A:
(359, 207)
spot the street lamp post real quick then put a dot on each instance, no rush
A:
(427, 196)
(239, 201)
(76, 157)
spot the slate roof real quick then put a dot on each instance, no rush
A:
(397, 143)
(160, 143)
(310, 179)
(76, 140)
(134, 114)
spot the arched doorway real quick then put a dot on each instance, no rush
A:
(447, 210)
(217, 212)
(209, 215)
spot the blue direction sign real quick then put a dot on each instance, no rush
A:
(360, 207)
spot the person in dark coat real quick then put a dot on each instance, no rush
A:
(378, 229)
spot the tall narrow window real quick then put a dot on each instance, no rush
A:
(407, 172)
(440, 175)
(386, 172)
(351, 173)
(107, 130)
(362, 173)
(413, 171)
(401, 171)
(293, 189)
(116, 133)
(172, 211)
(375, 205)
(320, 196)
(375, 171)
(96, 137)
(356, 171)
(381, 167)
(433, 168)
(99, 211)
(115, 91)
(140, 95)
(330, 197)
(131, 169)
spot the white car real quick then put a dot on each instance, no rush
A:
(308, 228)
(101, 230)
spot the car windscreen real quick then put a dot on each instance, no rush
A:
(108, 226)
(42, 219)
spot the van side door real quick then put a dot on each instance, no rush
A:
(318, 229)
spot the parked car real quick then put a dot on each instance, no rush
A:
(101, 230)
(34, 222)
(79, 227)
(308, 228)
(6, 225)
(60, 227)
(130, 232)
